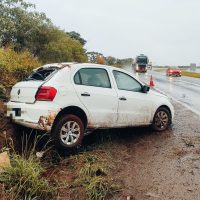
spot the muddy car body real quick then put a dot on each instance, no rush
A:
(68, 99)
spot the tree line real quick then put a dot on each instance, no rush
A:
(25, 29)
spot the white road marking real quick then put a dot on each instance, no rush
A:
(186, 106)
(196, 84)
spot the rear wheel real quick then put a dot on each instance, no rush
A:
(162, 119)
(68, 132)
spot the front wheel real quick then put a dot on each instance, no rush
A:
(68, 132)
(162, 119)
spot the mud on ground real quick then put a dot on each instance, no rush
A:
(152, 165)
(162, 166)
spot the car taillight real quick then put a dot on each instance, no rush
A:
(46, 93)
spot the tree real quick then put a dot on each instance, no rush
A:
(92, 56)
(62, 48)
(100, 60)
(118, 62)
(77, 36)
(110, 60)
(25, 29)
(22, 29)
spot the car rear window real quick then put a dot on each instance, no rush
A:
(42, 74)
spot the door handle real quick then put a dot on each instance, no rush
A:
(122, 98)
(85, 94)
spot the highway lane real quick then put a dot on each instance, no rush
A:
(185, 90)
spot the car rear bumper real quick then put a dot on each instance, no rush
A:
(174, 74)
(39, 115)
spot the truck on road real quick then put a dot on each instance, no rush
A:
(140, 63)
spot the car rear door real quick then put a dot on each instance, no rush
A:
(134, 106)
(95, 91)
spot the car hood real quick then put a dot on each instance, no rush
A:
(157, 93)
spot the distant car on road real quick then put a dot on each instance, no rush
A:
(173, 71)
(67, 100)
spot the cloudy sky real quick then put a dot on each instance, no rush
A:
(168, 31)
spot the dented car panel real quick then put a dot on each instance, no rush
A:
(38, 115)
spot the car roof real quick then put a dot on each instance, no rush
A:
(93, 65)
(75, 65)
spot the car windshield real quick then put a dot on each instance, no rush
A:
(142, 60)
(42, 74)
(174, 67)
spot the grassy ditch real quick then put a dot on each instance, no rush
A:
(23, 178)
(88, 176)
(94, 176)
(38, 172)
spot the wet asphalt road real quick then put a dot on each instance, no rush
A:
(185, 90)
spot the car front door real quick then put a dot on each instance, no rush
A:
(134, 106)
(95, 91)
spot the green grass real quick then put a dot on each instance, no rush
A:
(94, 176)
(191, 74)
(24, 180)
(88, 173)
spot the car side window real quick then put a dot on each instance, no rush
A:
(126, 82)
(77, 78)
(92, 77)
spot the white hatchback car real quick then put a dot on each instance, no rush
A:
(67, 99)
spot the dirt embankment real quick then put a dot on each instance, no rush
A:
(7, 130)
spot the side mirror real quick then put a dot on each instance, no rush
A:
(145, 88)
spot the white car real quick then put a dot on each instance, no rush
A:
(67, 99)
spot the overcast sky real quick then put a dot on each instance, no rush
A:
(168, 31)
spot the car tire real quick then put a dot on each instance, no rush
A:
(68, 132)
(162, 119)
